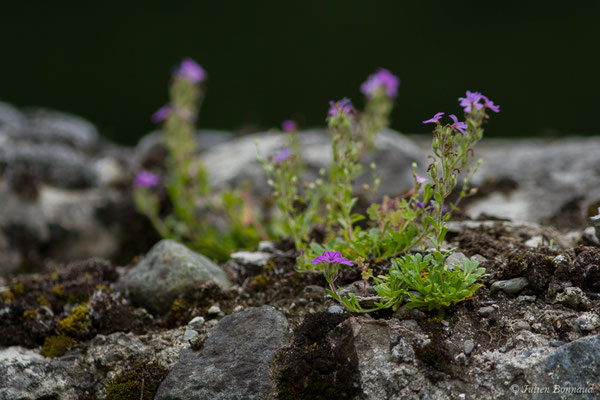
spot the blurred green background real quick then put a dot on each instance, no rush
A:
(273, 60)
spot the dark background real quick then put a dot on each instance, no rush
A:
(272, 60)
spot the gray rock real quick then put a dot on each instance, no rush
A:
(266, 246)
(456, 259)
(168, 270)
(511, 286)
(469, 346)
(190, 334)
(521, 326)
(573, 297)
(52, 126)
(588, 321)
(51, 163)
(234, 362)
(573, 366)
(251, 257)
(196, 322)
(11, 120)
(549, 175)
(335, 310)
(486, 311)
(205, 140)
(25, 374)
(595, 220)
(61, 225)
(231, 163)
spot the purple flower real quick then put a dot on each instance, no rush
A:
(460, 126)
(283, 155)
(490, 104)
(471, 99)
(420, 204)
(382, 79)
(343, 106)
(190, 70)
(161, 114)
(146, 179)
(332, 257)
(289, 126)
(435, 118)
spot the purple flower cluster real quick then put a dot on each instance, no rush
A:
(343, 106)
(146, 179)
(473, 99)
(382, 79)
(289, 126)
(283, 155)
(190, 70)
(459, 126)
(332, 257)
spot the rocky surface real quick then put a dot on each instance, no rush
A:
(168, 270)
(234, 362)
(231, 163)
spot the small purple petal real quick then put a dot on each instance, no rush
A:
(420, 204)
(472, 98)
(146, 179)
(460, 126)
(382, 79)
(289, 126)
(435, 118)
(191, 71)
(343, 106)
(161, 114)
(283, 155)
(332, 257)
(490, 104)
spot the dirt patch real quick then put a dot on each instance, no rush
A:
(321, 362)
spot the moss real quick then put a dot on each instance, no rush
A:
(58, 290)
(8, 296)
(140, 381)
(76, 322)
(42, 301)
(18, 289)
(30, 314)
(260, 282)
(56, 346)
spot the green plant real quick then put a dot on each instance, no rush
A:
(235, 224)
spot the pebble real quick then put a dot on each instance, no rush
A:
(511, 286)
(534, 242)
(314, 292)
(556, 343)
(251, 257)
(266, 246)
(238, 308)
(528, 299)
(189, 334)
(522, 326)
(335, 310)
(480, 258)
(455, 259)
(469, 346)
(196, 322)
(486, 311)
(215, 310)
(588, 321)
(595, 220)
